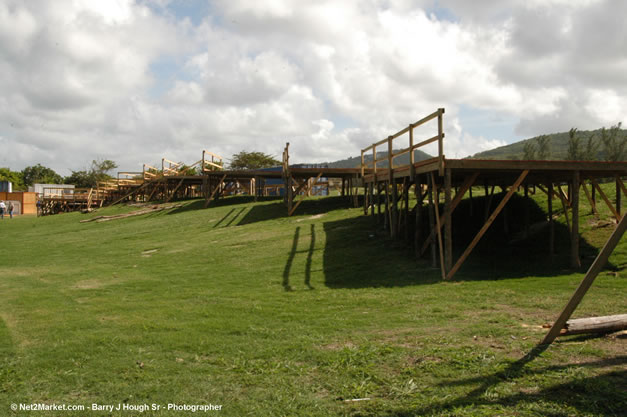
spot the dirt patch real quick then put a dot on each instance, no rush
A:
(314, 217)
(88, 284)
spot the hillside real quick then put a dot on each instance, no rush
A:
(355, 162)
(558, 143)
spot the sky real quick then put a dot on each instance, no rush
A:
(135, 81)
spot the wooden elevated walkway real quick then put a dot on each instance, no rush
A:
(438, 177)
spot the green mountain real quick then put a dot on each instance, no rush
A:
(355, 162)
(558, 145)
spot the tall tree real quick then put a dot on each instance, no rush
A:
(589, 153)
(39, 174)
(544, 148)
(614, 143)
(253, 160)
(529, 151)
(574, 146)
(89, 178)
(14, 177)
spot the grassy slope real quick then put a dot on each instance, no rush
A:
(558, 145)
(191, 307)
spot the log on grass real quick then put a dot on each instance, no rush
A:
(603, 324)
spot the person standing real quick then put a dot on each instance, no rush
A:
(3, 207)
(10, 209)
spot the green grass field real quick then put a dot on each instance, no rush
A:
(240, 306)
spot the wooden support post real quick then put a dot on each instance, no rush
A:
(551, 221)
(527, 204)
(378, 185)
(418, 225)
(607, 200)
(412, 168)
(575, 262)
(586, 283)
(434, 262)
(406, 187)
(174, 191)
(618, 195)
(440, 142)
(215, 190)
(619, 180)
(458, 198)
(593, 206)
(562, 197)
(485, 227)
(448, 223)
(394, 212)
(438, 226)
(386, 220)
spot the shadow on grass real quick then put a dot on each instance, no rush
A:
(199, 204)
(599, 395)
(505, 251)
(292, 255)
(357, 255)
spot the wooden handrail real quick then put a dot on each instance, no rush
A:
(410, 149)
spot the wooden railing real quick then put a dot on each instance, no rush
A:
(215, 164)
(410, 149)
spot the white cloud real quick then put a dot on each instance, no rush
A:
(129, 81)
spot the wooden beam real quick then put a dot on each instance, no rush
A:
(551, 221)
(129, 194)
(575, 262)
(213, 193)
(430, 191)
(586, 283)
(486, 226)
(448, 224)
(458, 198)
(619, 180)
(593, 206)
(313, 184)
(437, 218)
(607, 200)
(174, 191)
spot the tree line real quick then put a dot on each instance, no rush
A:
(38, 174)
(607, 144)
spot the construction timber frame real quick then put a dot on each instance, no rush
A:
(386, 189)
(437, 177)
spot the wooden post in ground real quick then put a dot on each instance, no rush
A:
(575, 262)
(394, 212)
(406, 186)
(418, 225)
(551, 222)
(618, 195)
(593, 206)
(386, 220)
(378, 202)
(448, 223)
(586, 283)
(438, 226)
(527, 205)
(434, 261)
